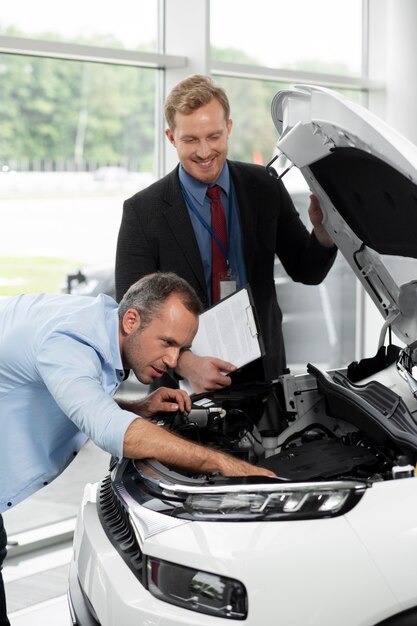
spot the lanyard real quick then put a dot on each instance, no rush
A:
(207, 225)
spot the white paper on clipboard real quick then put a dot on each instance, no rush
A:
(228, 330)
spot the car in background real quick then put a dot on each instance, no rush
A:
(331, 540)
(91, 281)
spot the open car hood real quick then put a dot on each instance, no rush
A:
(364, 174)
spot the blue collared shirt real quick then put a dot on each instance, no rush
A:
(197, 192)
(60, 364)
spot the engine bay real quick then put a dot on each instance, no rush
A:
(324, 427)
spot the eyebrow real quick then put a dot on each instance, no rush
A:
(214, 132)
(174, 342)
(169, 339)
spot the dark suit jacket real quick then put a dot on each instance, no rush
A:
(156, 234)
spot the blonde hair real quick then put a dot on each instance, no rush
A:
(192, 93)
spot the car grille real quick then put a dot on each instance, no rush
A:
(116, 523)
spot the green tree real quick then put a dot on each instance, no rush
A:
(58, 110)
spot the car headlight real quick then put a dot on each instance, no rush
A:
(291, 501)
(197, 590)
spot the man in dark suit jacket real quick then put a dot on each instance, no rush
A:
(166, 226)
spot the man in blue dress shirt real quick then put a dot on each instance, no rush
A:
(62, 358)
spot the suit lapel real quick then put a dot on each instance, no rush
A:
(178, 220)
(247, 198)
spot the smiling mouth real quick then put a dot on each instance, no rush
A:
(205, 163)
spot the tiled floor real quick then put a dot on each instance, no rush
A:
(51, 613)
(36, 578)
(36, 587)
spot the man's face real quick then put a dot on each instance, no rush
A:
(150, 351)
(201, 141)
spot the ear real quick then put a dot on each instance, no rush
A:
(229, 126)
(170, 136)
(130, 321)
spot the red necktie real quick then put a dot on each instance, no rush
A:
(218, 225)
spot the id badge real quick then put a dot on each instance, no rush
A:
(228, 284)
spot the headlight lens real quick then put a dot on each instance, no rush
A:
(299, 501)
(197, 590)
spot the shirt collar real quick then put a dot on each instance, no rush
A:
(197, 189)
(112, 322)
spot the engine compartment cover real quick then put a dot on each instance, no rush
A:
(325, 459)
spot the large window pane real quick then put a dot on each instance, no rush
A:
(75, 140)
(321, 36)
(125, 24)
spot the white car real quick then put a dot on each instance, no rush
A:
(333, 541)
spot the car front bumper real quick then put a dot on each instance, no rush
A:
(302, 572)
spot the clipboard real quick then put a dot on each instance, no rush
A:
(229, 330)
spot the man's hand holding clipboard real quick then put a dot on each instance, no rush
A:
(227, 339)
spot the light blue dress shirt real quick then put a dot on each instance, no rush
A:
(60, 364)
(197, 191)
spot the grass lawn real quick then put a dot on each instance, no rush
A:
(33, 274)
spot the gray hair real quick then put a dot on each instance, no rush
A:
(150, 292)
